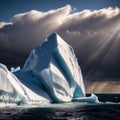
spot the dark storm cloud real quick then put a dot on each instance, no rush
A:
(27, 30)
(95, 35)
(92, 33)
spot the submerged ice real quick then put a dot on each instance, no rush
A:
(50, 74)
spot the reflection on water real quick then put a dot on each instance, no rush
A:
(74, 111)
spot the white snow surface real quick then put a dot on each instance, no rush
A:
(11, 89)
(50, 74)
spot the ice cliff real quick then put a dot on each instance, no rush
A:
(50, 74)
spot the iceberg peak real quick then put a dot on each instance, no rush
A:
(53, 37)
(45, 51)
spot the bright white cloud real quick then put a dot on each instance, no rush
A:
(2, 24)
(89, 32)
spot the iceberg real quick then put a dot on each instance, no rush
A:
(51, 74)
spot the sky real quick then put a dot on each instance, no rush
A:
(8, 8)
(91, 27)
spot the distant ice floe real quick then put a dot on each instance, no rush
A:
(92, 99)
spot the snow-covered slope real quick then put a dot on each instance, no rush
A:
(50, 74)
(11, 89)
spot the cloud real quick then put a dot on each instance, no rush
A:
(95, 35)
(30, 28)
(92, 33)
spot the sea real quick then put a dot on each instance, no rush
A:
(107, 109)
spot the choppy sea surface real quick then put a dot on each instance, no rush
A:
(64, 111)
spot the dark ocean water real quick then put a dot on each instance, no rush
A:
(66, 111)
